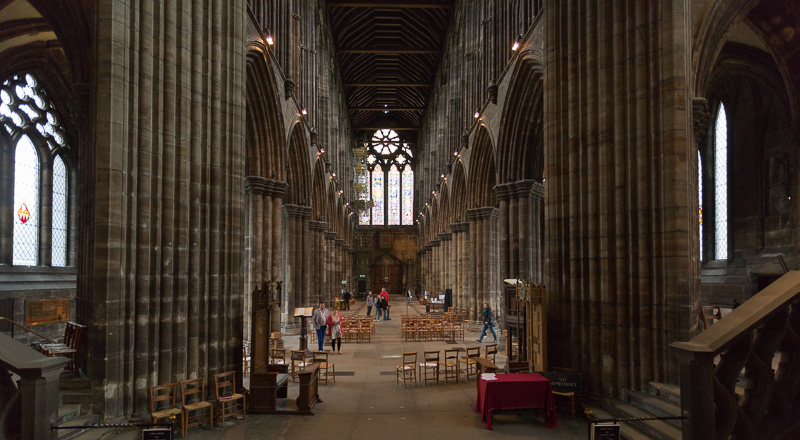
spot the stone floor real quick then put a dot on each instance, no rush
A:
(366, 403)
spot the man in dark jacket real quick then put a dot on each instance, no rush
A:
(487, 323)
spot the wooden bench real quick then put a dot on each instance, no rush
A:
(266, 387)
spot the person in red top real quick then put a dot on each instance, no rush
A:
(335, 329)
(385, 296)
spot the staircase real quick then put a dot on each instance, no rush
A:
(661, 400)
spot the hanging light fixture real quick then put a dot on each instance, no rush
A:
(517, 42)
(270, 41)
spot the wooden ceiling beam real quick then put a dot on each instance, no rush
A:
(389, 4)
(391, 51)
(380, 109)
(386, 85)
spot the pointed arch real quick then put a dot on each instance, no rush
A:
(318, 191)
(520, 146)
(482, 172)
(298, 174)
(265, 145)
(458, 204)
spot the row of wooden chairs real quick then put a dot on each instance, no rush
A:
(448, 366)
(354, 329)
(195, 410)
(431, 327)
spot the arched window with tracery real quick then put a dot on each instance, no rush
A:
(40, 173)
(721, 185)
(390, 162)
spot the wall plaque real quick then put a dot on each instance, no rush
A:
(46, 311)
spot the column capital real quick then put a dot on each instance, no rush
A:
(700, 117)
(264, 186)
(459, 227)
(317, 226)
(502, 191)
(330, 235)
(297, 211)
(483, 213)
(426, 248)
(445, 236)
(435, 243)
(339, 241)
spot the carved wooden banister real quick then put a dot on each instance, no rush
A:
(746, 341)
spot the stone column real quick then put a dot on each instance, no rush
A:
(502, 192)
(621, 190)
(253, 276)
(445, 238)
(339, 260)
(7, 152)
(330, 245)
(474, 262)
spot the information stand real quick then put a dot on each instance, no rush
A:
(304, 313)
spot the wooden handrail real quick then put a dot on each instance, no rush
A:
(28, 330)
(744, 342)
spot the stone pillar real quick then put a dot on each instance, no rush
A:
(445, 238)
(474, 262)
(330, 245)
(621, 190)
(295, 292)
(505, 254)
(339, 260)
(7, 151)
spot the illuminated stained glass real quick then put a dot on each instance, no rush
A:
(59, 257)
(721, 185)
(385, 141)
(26, 204)
(394, 195)
(408, 196)
(700, 198)
(377, 195)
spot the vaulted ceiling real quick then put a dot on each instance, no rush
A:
(388, 53)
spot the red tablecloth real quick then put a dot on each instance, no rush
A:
(515, 391)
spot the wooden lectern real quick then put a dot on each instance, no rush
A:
(304, 313)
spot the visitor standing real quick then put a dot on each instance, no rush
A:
(408, 295)
(370, 303)
(346, 298)
(378, 307)
(385, 304)
(320, 319)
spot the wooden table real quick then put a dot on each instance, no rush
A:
(515, 391)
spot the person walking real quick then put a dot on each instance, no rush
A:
(320, 320)
(408, 295)
(385, 304)
(370, 303)
(487, 322)
(335, 330)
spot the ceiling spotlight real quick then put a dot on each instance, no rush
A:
(455, 153)
(434, 192)
(333, 174)
(517, 42)
(270, 41)
(340, 191)
(303, 111)
(321, 150)
(477, 113)
(442, 176)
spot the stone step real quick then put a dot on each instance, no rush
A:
(68, 434)
(654, 405)
(74, 383)
(626, 431)
(668, 392)
(68, 412)
(656, 429)
(75, 397)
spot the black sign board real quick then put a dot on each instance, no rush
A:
(157, 434)
(605, 432)
(564, 382)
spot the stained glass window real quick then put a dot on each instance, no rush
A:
(59, 257)
(389, 160)
(26, 204)
(408, 196)
(700, 199)
(377, 195)
(28, 115)
(721, 185)
(394, 195)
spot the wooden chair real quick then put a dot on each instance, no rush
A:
(326, 369)
(709, 315)
(230, 402)
(570, 396)
(193, 399)
(491, 352)
(449, 366)
(471, 360)
(298, 360)
(277, 356)
(407, 371)
(162, 403)
(429, 365)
